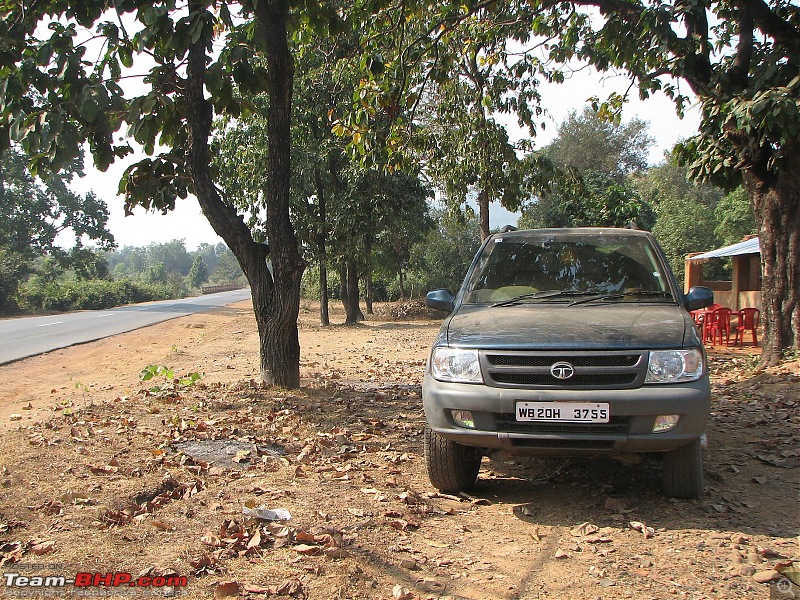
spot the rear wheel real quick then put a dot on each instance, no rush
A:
(452, 468)
(682, 469)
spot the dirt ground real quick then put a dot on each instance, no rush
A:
(101, 473)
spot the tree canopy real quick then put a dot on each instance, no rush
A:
(35, 213)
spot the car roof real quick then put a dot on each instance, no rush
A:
(573, 231)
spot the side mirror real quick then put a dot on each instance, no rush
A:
(440, 300)
(699, 297)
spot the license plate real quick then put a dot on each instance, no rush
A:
(571, 412)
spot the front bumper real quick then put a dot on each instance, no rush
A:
(632, 411)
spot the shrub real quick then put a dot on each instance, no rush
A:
(37, 295)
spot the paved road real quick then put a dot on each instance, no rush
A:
(20, 338)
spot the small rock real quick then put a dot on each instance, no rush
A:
(410, 564)
(738, 538)
(747, 570)
(15, 417)
(562, 554)
(766, 576)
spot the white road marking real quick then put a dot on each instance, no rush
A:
(48, 324)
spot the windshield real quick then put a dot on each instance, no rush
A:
(559, 268)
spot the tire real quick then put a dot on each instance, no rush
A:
(682, 470)
(452, 468)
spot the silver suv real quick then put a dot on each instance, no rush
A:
(567, 342)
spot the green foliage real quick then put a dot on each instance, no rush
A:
(33, 213)
(39, 295)
(156, 273)
(685, 211)
(595, 160)
(734, 216)
(14, 266)
(441, 260)
(588, 143)
(198, 274)
(227, 271)
(682, 227)
(171, 383)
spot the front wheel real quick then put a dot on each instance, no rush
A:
(452, 468)
(682, 470)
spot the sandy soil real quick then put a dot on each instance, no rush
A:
(102, 473)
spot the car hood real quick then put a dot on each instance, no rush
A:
(537, 326)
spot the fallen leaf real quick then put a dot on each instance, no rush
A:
(209, 539)
(44, 548)
(648, 532)
(229, 589)
(255, 540)
(103, 469)
(584, 529)
(161, 525)
(307, 549)
(401, 593)
(292, 587)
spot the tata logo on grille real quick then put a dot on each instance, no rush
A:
(562, 370)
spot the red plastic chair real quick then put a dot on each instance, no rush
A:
(716, 324)
(748, 321)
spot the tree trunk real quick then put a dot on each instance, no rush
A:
(280, 347)
(402, 285)
(776, 204)
(483, 212)
(352, 311)
(324, 316)
(275, 297)
(322, 247)
(369, 295)
(343, 284)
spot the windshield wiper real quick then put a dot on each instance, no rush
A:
(596, 298)
(658, 293)
(540, 294)
(620, 295)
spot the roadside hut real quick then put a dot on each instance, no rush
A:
(744, 288)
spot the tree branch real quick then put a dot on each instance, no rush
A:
(783, 32)
(744, 51)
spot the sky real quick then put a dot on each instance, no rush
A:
(187, 222)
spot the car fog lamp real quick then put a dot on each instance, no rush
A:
(665, 423)
(463, 418)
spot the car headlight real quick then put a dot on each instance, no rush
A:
(675, 366)
(456, 364)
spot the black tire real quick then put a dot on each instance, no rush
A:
(682, 470)
(452, 468)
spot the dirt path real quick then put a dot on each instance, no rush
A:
(99, 474)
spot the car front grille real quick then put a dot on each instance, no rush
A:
(595, 370)
(545, 360)
(616, 426)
